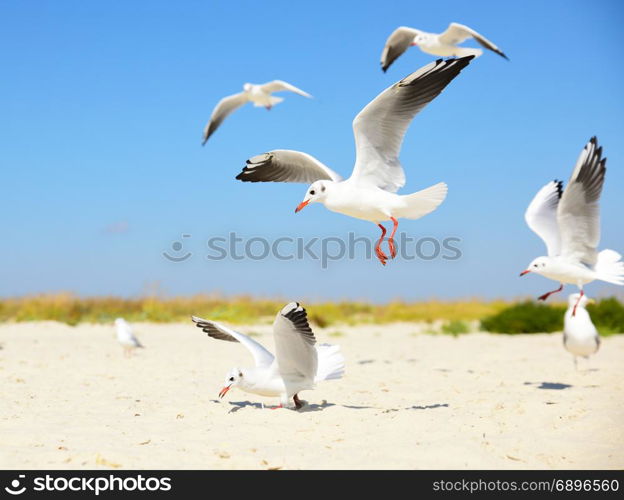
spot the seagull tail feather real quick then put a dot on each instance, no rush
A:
(610, 267)
(331, 363)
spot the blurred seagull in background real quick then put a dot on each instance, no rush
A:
(379, 129)
(260, 95)
(126, 337)
(569, 223)
(442, 44)
(298, 364)
(580, 336)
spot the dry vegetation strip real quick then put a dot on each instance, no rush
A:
(70, 309)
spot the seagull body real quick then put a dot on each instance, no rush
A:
(298, 364)
(259, 95)
(580, 336)
(126, 337)
(379, 129)
(437, 44)
(569, 223)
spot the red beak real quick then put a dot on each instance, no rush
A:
(301, 205)
(224, 391)
(413, 44)
(524, 272)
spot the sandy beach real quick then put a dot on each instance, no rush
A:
(409, 400)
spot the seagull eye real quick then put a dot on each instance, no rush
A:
(231, 379)
(534, 265)
(323, 188)
(312, 192)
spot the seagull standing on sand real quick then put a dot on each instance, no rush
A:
(580, 336)
(260, 95)
(379, 129)
(442, 44)
(569, 223)
(126, 337)
(298, 364)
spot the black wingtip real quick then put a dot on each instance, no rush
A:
(559, 188)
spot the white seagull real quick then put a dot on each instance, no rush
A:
(438, 44)
(260, 95)
(297, 365)
(580, 336)
(379, 129)
(569, 223)
(126, 337)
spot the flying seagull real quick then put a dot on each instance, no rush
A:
(438, 44)
(379, 129)
(298, 362)
(569, 223)
(259, 95)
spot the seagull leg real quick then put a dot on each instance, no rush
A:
(298, 403)
(268, 107)
(378, 251)
(577, 302)
(391, 244)
(548, 294)
(277, 407)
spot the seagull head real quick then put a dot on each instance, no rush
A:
(234, 377)
(584, 300)
(247, 87)
(417, 40)
(538, 266)
(317, 192)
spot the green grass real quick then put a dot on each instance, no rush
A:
(456, 327)
(536, 317)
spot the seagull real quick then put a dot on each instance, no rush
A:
(260, 95)
(569, 223)
(379, 129)
(580, 336)
(126, 337)
(438, 44)
(298, 364)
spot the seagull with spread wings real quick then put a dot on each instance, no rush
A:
(259, 95)
(438, 44)
(298, 362)
(379, 129)
(569, 223)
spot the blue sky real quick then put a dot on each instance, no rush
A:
(103, 105)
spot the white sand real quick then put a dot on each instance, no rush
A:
(69, 399)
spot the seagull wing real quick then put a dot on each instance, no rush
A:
(279, 86)
(380, 127)
(457, 33)
(397, 43)
(541, 216)
(223, 109)
(579, 211)
(295, 351)
(261, 356)
(283, 165)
